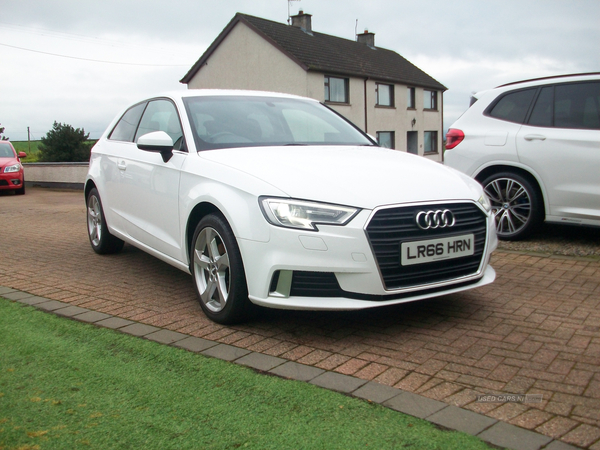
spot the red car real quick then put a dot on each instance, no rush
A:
(11, 170)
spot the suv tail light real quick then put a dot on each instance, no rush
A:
(453, 138)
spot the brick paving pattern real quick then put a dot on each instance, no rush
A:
(536, 330)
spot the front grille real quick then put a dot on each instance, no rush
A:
(315, 284)
(390, 227)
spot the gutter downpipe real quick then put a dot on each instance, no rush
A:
(442, 134)
(366, 111)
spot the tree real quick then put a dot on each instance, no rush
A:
(2, 138)
(63, 143)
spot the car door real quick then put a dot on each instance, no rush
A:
(149, 186)
(118, 145)
(561, 143)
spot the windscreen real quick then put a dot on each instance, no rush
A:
(6, 151)
(242, 121)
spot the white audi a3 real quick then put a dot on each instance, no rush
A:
(275, 200)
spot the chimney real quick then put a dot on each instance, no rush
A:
(366, 38)
(302, 21)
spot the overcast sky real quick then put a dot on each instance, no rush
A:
(81, 61)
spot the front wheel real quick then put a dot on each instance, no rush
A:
(218, 271)
(516, 204)
(102, 241)
(21, 190)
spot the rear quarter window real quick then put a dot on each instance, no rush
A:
(128, 124)
(513, 106)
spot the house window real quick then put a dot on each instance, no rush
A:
(336, 90)
(385, 94)
(386, 139)
(430, 142)
(410, 103)
(429, 99)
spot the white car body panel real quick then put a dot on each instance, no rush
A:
(148, 203)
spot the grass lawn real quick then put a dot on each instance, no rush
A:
(70, 385)
(31, 148)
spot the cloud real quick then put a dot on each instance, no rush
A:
(147, 46)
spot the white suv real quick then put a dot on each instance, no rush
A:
(535, 147)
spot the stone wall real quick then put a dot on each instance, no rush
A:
(56, 175)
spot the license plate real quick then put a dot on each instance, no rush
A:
(421, 252)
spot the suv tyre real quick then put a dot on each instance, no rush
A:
(516, 204)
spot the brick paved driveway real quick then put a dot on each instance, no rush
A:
(536, 330)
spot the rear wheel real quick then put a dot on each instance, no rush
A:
(218, 271)
(516, 204)
(101, 240)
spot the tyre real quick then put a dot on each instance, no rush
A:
(101, 240)
(21, 190)
(218, 272)
(516, 203)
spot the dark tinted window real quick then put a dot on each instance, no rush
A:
(513, 106)
(577, 106)
(542, 113)
(125, 129)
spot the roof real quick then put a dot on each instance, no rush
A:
(327, 54)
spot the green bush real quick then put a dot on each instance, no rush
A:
(65, 144)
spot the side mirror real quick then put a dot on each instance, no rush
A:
(22, 155)
(158, 142)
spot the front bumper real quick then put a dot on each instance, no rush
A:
(338, 269)
(11, 180)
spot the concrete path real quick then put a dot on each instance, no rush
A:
(534, 333)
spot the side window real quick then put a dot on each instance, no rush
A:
(385, 95)
(430, 100)
(386, 139)
(125, 128)
(577, 106)
(543, 111)
(336, 90)
(410, 98)
(430, 144)
(513, 106)
(160, 115)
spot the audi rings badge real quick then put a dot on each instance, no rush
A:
(430, 220)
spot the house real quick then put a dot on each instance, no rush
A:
(377, 89)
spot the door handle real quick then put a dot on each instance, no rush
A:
(535, 137)
(121, 165)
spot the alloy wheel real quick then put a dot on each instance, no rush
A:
(511, 205)
(212, 269)
(94, 216)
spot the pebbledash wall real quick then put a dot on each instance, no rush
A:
(55, 175)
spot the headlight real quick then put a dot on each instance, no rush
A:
(304, 215)
(485, 202)
(13, 168)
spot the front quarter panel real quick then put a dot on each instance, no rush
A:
(234, 193)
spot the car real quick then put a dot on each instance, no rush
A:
(11, 170)
(277, 201)
(535, 147)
